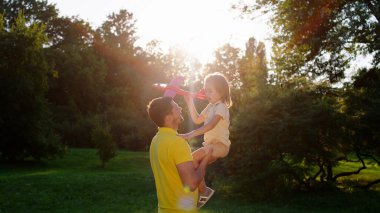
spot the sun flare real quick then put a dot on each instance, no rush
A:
(198, 27)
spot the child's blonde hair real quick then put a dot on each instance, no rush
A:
(220, 83)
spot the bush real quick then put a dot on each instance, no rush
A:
(74, 127)
(102, 138)
(285, 138)
(131, 128)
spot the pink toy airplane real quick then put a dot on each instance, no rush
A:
(173, 88)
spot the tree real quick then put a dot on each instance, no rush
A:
(115, 42)
(25, 119)
(363, 106)
(80, 71)
(77, 90)
(102, 138)
(35, 11)
(119, 31)
(253, 70)
(226, 62)
(126, 80)
(288, 133)
(313, 39)
(320, 38)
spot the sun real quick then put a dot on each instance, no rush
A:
(189, 25)
(198, 27)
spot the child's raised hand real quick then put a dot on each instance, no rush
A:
(188, 98)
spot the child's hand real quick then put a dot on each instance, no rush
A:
(188, 98)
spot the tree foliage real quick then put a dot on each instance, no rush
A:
(253, 69)
(226, 62)
(287, 134)
(35, 11)
(298, 131)
(128, 79)
(102, 138)
(362, 106)
(76, 90)
(25, 118)
(320, 38)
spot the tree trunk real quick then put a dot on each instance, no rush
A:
(367, 186)
(351, 173)
(329, 172)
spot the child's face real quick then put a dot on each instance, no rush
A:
(213, 96)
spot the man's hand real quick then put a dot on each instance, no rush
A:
(191, 177)
(186, 136)
(207, 157)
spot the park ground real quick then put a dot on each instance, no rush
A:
(76, 183)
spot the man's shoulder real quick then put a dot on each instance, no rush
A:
(178, 141)
(169, 138)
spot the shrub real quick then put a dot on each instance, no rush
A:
(102, 138)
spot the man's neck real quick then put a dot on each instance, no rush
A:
(172, 126)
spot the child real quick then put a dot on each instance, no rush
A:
(216, 119)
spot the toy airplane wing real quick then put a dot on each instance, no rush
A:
(173, 85)
(173, 88)
(200, 95)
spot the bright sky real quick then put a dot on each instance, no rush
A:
(198, 26)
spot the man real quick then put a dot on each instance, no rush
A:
(175, 176)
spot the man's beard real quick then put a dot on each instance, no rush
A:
(179, 120)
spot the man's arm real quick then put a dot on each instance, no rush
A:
(203, 129)
(190, 176)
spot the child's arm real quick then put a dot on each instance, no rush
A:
(197, 119)
(203, 129)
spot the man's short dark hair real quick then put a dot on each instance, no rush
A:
(159, 108)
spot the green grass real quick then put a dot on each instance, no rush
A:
(76, 183)
(371, 173)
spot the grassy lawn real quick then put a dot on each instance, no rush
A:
(77, 184)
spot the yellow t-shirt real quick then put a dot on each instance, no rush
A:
(166, 151)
